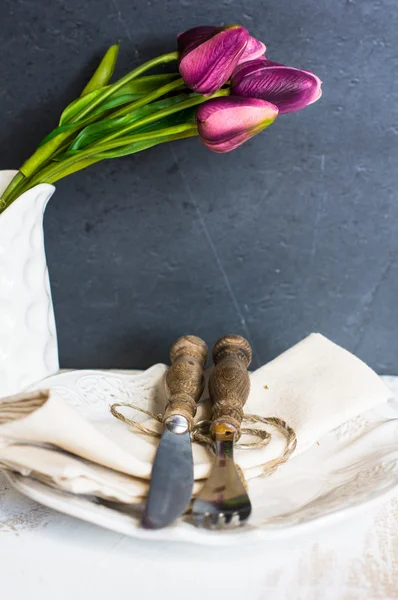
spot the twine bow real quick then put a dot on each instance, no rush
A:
(201, 434)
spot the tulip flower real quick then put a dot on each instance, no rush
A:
(141, 110)
(209, 55)
(288, 88)
(226, 123)
(254, 49)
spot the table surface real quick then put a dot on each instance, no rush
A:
(52, 556)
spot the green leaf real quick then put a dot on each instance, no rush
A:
(131, 148)
(43, 154)
(77, 166)
(94, 132)
(68, 127)
(77, 105)
(139, 146)
(134, 74)
(86, 162)
(104, 70)
(115, 101)
(68, 112)
(184, 116)
(146, 84)
(134, 89)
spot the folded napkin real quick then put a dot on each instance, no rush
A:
(75, 475)
(315, 386)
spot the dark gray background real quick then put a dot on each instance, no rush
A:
(296, 231)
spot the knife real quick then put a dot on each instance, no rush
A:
(172, 472)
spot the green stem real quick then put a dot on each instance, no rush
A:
(58, 144)
(141, 137)
(81, 160)
(159, 60)
(15, 182)
(53, 173)
(45, 152)
(163, 113)
(106, 113)
(156, 142)
(162, 91)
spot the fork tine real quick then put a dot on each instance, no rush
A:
(198, 519)
(236, 519)
(207, 520)
(215, 518)
(228, 518)
(210, 520)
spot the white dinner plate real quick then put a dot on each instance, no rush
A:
(347, 470)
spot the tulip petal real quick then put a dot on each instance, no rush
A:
(187, 40)
(250, 67)
(288, 88)
(226, 123)
(254, 49)
(207, 64)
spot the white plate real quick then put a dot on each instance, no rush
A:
(350, 468)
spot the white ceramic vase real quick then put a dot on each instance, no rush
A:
(28, 339)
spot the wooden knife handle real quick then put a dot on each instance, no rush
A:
(184, 379)
(229, 383)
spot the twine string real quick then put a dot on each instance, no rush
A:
(201, 434)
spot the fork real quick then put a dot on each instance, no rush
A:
(223, 500)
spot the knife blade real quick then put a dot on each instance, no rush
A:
(172, 472)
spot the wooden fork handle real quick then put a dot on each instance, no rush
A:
(229, 383)
(184, 380)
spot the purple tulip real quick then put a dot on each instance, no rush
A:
(209, 55)
(254, 49)
(191, 38)
(225, 123)
(288, 88)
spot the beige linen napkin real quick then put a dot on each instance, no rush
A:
(74, 475)
(54, 422)
(315, 386)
